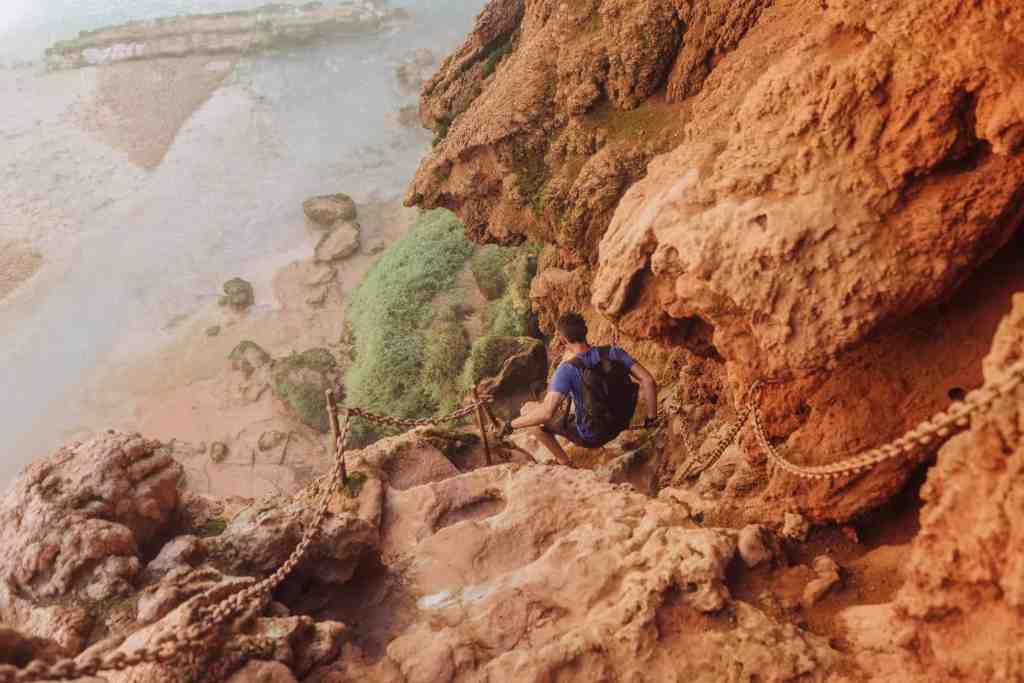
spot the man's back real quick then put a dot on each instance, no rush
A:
(568, 379)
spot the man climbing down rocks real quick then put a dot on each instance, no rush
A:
(600, 382)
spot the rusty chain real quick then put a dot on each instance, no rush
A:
(938, 428)
(209, 618)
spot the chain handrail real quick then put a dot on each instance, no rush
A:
(207, 619)
(939, 427)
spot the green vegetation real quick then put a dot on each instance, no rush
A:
(399, 367)
(647, 119)
(354, 484)
(509, 316)
(300, 381)
(444, 124)
(488, 266)
(496, 51)
(247, 356)
(212, 527)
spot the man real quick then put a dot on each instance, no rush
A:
(569, 381)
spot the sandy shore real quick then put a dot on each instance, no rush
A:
(17, 264)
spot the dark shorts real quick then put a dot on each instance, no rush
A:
(564, 425)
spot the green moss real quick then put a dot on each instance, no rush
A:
(488, 265)
(304, 395)
(444, 124)
(487, 356)
(242, 351)
(496, 51)
(354, 484)
(395, 328)
(619, 124)
(213, 527)
(247, 356)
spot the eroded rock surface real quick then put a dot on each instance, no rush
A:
(751, 190)
(75, 525)
(959, 612)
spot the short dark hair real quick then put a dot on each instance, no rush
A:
(573, 327)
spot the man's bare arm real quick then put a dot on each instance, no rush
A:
(541, 414)
(649, 388)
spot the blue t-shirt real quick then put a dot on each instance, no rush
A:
(569, 380)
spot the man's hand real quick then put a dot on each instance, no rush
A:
(506, 429)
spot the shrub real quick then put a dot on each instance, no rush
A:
(403, 346)
(488, 266)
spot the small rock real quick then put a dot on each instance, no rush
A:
(213, 331)
(271, 440)
(327, 210)
(238, 294)
(376, 247)
(184, 551)
(795, 527)
(322, 274)
(218, 451)
(340, 243)
(827, 572)
(752, 547)
(318, 299)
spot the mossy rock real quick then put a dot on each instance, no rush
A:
(301, 380)
(327, 210)
(488, 266)
(248, 356)
(490, 353)
(213, 527)
(238, 294)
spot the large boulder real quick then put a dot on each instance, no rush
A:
(301, 380)
(238, 294)
(327, 210)
(76, 526)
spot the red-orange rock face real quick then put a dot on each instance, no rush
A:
(789, 189)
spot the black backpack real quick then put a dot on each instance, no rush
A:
(609, 396)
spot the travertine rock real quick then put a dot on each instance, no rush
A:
(757, 190)
(964, 590)
(524, 573)
(74, 524)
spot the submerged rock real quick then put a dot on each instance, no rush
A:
(327, 210)
(238, 294)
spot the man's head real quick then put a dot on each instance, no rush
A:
(573, 328)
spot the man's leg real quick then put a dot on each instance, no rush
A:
(549, 442)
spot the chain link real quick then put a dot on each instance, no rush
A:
(392, 421)
(937, 429)
(208, 618)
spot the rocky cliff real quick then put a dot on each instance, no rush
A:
(803, 191)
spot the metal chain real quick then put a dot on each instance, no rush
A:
(696, 464)
(938, 428)
(208, 619)
(426, 422)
